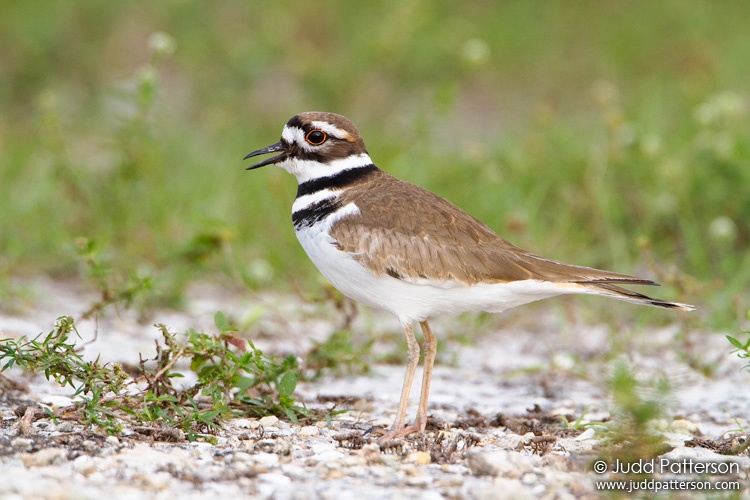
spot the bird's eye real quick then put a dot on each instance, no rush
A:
(316, 137)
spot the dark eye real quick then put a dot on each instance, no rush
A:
(316, 137)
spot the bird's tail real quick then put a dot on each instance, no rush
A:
(608, 289)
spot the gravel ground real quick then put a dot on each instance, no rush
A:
(493, 432)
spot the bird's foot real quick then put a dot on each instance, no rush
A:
(397, 433)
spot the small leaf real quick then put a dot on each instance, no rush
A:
(287, 384)
(221, 322)
(291, 414)
(244, 382)
(736, 343)
(236, 341)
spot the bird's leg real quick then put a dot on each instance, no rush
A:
(412, 353)
(429, 346)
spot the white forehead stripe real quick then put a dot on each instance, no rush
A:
(294, 135)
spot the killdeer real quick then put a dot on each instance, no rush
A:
(392, 245)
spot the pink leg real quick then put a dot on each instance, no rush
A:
(430, 350)
(411, 367)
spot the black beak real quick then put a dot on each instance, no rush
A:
(270, 161)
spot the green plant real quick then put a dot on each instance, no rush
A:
(579, 423)
(637, 411)
(113, 288)
(742, 350)
(338, 354)
(233, 379)
(56, 357)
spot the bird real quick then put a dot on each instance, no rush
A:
(392, 245)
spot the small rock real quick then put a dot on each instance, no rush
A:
(157, 480)
(85, 465)
(44, 457)
(112, 441)
(503, 463)
(265, 445)
(268, 485)
(239, 457)
(283, 447)
(21, 444)
(56, 401)
(509, 441)
(308, 431)
(246, 423)
(268, 460)
(510, 488)
(90, 445)
(66, 427)
(419, 458)
(318, 448)
(683, 426)
(329, 456)
(269, 421)
(421, 481)
(529, 478)
(294, 472)
(334, 474)
(587, 434)
(275, 479)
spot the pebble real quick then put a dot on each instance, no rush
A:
(328, 456)
(294, 472)
(419, 458)
(529, 478)
(268, 460)
(84, 464)
(245, 423)
(421, 481)
(44, 457)
(510, 488)
(319, 448)
(159, 480)
(21, 444)
(275, 479)
(90, 445)
(66, 427)
(503, 463)
(587, 434)
(308, 431)
(269, 421)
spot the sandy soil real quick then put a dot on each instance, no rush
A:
(495, 406)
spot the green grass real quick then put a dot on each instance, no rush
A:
(606, 134)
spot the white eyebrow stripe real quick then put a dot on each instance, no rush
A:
(295, 135)
(330, 129)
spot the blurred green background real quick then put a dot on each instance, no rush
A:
(604, 133)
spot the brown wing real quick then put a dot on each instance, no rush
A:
(410, 233)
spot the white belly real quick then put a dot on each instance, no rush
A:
(410, 301)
